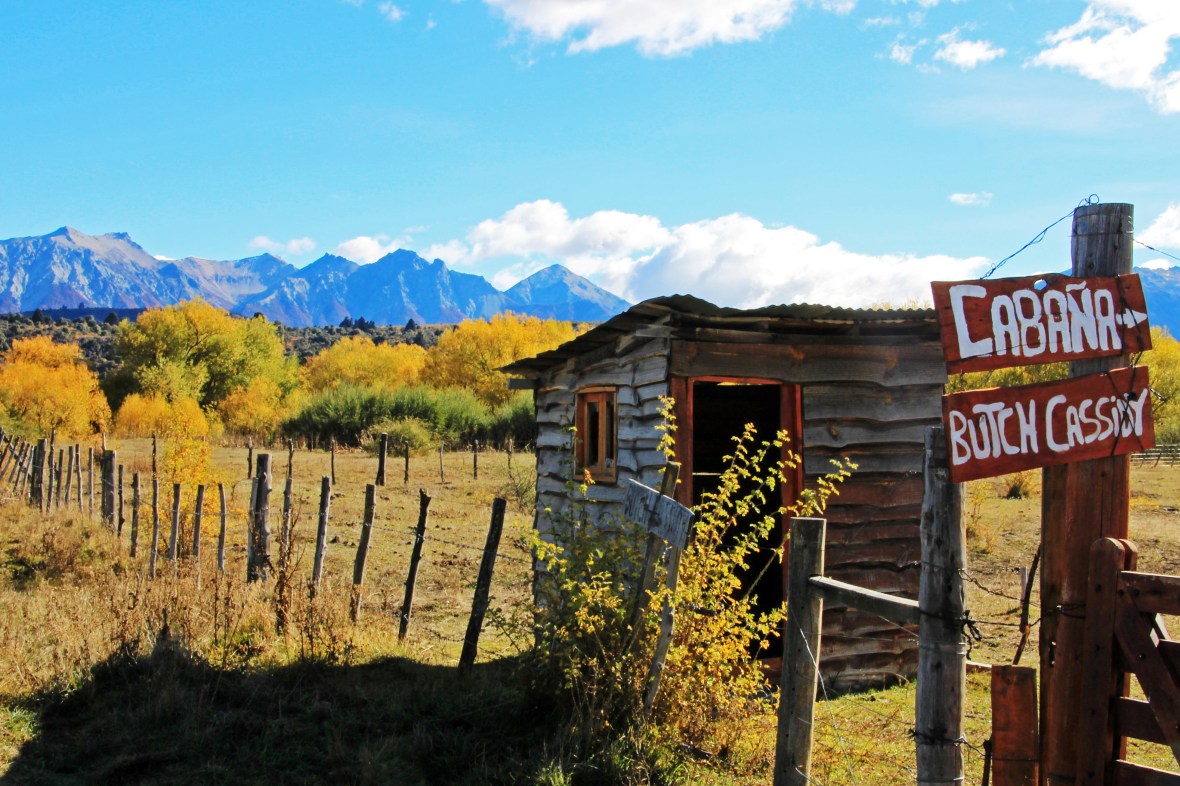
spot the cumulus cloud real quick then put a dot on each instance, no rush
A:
(977, 199)
(368, 248)
(657, 27)
(903, 53)
(734, 260)
(1123, 44)
(1157, 264)
(1165, 230)
(297, 246)
(965, 54)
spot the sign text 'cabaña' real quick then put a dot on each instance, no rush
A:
(1039, 319)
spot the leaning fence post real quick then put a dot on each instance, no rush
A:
(362, 552)
(175, 536)
(37, 478)
(321, 535)
(90, 483)
(483, 586)
(801, 645)
(155, 527)
(942, 652)
(415, 558)
(109, 462)
(119, 517)
(382, 448)
(259, 559)
(221, 531)
(134, 513)
(200, 504)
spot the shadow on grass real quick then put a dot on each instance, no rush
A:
(166, 719)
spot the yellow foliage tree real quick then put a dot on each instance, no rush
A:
(255, 408)
(356, 360)
(142, 416)
(471, 355)
(195, 350)
(47, 386)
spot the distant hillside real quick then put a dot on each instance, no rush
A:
(68, 269)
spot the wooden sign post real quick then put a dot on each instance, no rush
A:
(1080, 429)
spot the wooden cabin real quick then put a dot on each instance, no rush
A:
(858, 383)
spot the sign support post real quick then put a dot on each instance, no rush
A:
(1081, 502)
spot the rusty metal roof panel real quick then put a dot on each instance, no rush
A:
(684, 312)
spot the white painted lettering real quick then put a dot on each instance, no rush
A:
(967, 347)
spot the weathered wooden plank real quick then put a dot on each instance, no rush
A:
(860, 433)
(866, 517)
(880, 579)
(1015, 737)
(903, 458)
(872, 402)
(869, 670)
(860, 531)
(1153, 593)
(1133, 718)
(912, 364)
(1134, 638)
(1108, 557)
(900, 610)
(1127, 774)
(896, 553)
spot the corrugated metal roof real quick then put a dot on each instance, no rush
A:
(687, 311)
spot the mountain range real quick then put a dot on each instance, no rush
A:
(71, 269)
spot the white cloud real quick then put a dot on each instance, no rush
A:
(1165, 230)
(1157, 264)
(977, 199)
(655, 27)
(1123, 44)
(903, 53)
(391, 12)
(733, 260)
(297, 246)
(368, 248)
(965, 54)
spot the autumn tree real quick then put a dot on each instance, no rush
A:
(46, 385)
(195, 350)
(471, 355)
(357, 360)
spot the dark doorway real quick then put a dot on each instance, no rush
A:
(720, 411)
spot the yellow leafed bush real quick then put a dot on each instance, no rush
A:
(356, 360)
(47, 386)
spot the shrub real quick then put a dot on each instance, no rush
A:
(402, 432)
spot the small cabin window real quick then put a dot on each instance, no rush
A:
(597, 443)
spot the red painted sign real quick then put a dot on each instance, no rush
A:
(1000, 430)
(1039, 319)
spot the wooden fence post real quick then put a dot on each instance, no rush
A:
(78, 474)
(475, 459)
(175, 536)
(332, 446)
(109, 462)
(290, 456)
(48, 487)
(667, 625)
(382, 448)
(155, 527)
(250, 458)
(37, 478)
(942, 652)
(321, 535)
(200, 504)
(655, 545)
(406, 453)
(441, 477)
(57, 479)
(119, 515)
(415, 558)
(134, 513)
(90, 482)
(483, 586)
(362, 551)
(288, 490)
(258, 563)
(221, 531)
(70, 458)
(1080, 503)
(801, 646)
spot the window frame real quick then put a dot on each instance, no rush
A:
(603, 448)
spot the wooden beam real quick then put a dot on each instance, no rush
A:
(900, 610)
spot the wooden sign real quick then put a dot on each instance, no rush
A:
(1000, 430)
(664, 517)
(1039, 319)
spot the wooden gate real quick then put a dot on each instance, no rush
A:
(1125, 635)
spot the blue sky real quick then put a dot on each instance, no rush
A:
(748, 152)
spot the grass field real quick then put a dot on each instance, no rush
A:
(106, 677)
